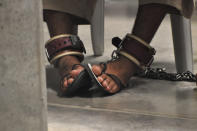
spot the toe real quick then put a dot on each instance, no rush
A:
(97, 70)
(65, 84)
(105, 84)
(111, 86)
(70, 80)
(75, 73)
(100, 79)
(108, 83)
(105, 81)
(114, 89)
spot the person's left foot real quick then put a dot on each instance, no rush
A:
(122, 68)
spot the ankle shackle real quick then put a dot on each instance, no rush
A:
(135, 49)
(62, 45)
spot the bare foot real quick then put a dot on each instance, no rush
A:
(65, 69)
(122, 68)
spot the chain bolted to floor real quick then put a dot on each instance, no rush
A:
(161, 74)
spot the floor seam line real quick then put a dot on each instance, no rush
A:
(126, 112)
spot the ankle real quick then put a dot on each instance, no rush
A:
(140, 53)
(68, 60)
(66, 63)
(129, 64)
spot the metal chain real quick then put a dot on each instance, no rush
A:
(114, 55)
(161, 74)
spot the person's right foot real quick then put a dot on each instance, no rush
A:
(65, 68)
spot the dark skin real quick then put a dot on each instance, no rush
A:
(149, 18)
(61, 23)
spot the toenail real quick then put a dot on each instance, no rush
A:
(100, 78)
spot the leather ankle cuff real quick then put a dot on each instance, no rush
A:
(135, 49)
(58, 45)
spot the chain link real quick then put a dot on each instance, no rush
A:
(161, 74)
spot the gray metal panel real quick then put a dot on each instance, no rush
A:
(22, 74)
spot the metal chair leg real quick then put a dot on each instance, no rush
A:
(97, 28)
(181, 31)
